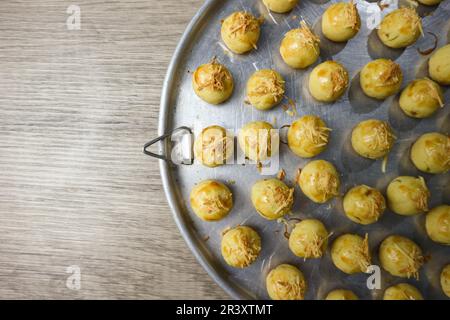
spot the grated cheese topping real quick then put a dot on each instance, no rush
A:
(271, 85)
(216, 78)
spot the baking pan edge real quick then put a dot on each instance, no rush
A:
(167, 181)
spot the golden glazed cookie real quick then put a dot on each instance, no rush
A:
(408, 196)
(212, 82)
(381, 78)
(240, 246)
(350, 253)
(272, 198)
(438, 66)
(308, 136)
(445, 280)
(437, 224)
(265, 89)
(300, 47)
(280, 6)
(309, 239)
(328, 81)
(372, 138)
(211, 200)
(240, 31)
(421, 98)
(401, 257)
(213, 146)
(257, 141)
(400, 28)
(402, 291)
(364, 205)
(341, 21)
(431, 153)
(341, 294)
(286, 282)
(319, 181)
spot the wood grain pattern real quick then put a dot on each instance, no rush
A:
(76, 108)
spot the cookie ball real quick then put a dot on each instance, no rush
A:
(309, 239)
(445, 280)
(211, 200)
(408, 196)
(265, 89)
(319, 181)
(328, 81)
(213, 146)
(438, 66)
(431, 153)
(372, 139)
(381, 78)
(240, 31)
(421, 98)
(280, 6)
(350, 253)
(437, 224)
(341, 21)
(240, 246)
(308, 136)
(286, 282)
(272, 198)
(341, 294)
(212, 82)
(402, 291)
(364, 205)
(300, 47)
(400, 28)
(401, 257)
(257, 141)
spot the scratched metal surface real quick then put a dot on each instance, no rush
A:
(180, 107)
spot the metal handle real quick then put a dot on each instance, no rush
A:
(281, 128)
(164, 137)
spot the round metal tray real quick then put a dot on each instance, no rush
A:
(180, 107)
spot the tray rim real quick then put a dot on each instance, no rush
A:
(164, 166)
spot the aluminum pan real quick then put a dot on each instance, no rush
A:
(179, 106)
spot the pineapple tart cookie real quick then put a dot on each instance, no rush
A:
(213, 147)
(381, 78)
(401, 257)
(408, 195)
(319, 181)
(400, 28)
(211, 200)
(240, 31)
(308, 136)
(265, 89)
(438, 66)
(212, 82)
(240, 246)
(300, 47)
(341, 21)
(272, 198)
(309, 239)
(286, 282)
(328, 81)
(350, 253)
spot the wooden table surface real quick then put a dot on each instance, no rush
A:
(76, 106)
